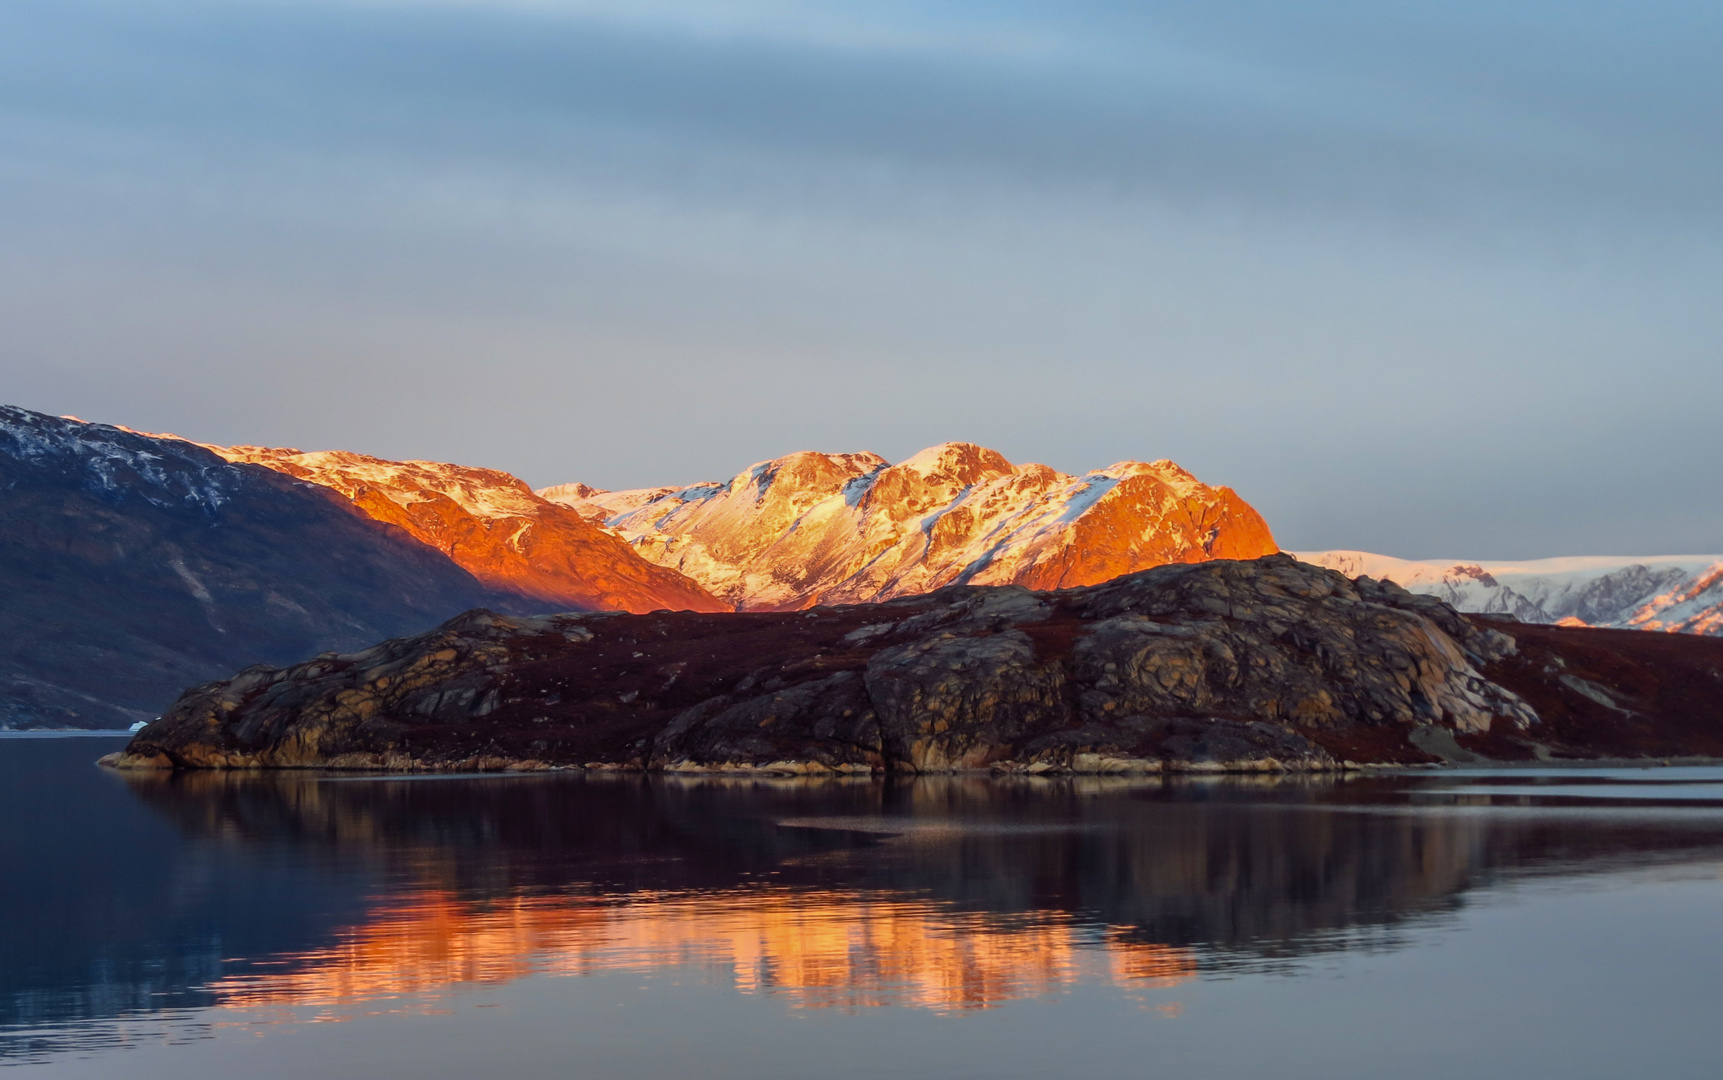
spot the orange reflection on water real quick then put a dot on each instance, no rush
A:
(819, 949)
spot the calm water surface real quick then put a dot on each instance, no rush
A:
(1554, 923)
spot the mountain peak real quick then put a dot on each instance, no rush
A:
(935, 477)
(569, 493)
(804, 474)
(963, 462)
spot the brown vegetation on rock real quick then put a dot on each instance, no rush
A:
(1268, 664)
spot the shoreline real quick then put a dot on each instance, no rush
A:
(816, 771)
(66, 733)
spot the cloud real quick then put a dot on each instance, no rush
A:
(1411, 245)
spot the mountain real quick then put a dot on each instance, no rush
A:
(493, 525)
(815, 528)
(1264, 665)
(133, 566)
(1666, 592)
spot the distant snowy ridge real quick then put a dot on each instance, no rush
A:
(1681, 593)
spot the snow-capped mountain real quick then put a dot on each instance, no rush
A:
(133, 566)
(817, 528)
(491, 524)
(1664, 592)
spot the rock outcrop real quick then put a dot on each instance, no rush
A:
(1269, 664)
(492, 524)
(815, 528)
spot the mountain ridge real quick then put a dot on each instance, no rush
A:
(493, 525)
(1671, 593)
(814, 528)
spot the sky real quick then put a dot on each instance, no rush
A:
(1432, 279)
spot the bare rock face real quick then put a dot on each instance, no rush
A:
(815, 528)
(1269, 664)
(951, 702)
(357, 708)
(492, 524)
(825, 724)
(1282, 645)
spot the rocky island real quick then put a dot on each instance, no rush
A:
(1267, 664)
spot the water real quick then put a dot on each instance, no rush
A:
(1539, 923)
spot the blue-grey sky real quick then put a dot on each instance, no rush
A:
(1427, 278)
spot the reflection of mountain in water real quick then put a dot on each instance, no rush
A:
(938, 883)
(817, 948)
(946, 893)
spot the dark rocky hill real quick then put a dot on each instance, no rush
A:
(132, 567)
(1266, 664)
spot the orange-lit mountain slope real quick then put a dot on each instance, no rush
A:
(491, 524)
(814, 528)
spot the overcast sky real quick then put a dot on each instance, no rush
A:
(1425, 278)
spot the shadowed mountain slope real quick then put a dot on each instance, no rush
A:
(134, 566)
